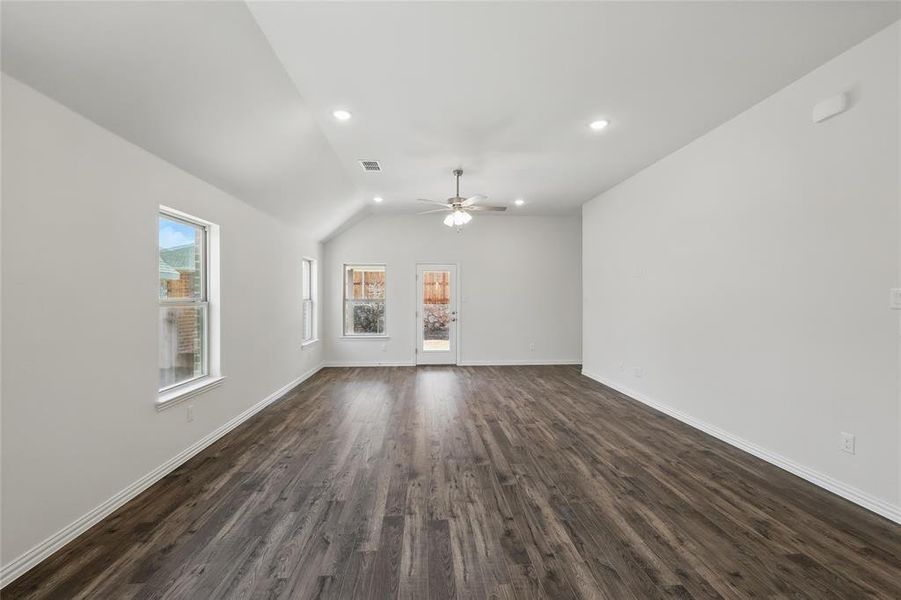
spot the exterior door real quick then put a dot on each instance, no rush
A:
(436, 314)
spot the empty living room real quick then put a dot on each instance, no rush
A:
(428, 300)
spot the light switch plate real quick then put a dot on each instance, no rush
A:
(846, 442)
(895, 298)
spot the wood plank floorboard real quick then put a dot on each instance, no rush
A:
(473, 482)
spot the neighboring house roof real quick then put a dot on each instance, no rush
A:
(167, 271)
(182, 258)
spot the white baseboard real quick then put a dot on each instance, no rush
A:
(369, 364)
(528, 362)
(859, 497)
(29, 559)
(465, 363)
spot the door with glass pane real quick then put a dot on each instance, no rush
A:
(436, 315)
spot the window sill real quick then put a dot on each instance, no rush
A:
(365, 337)
(173, 397)
(309, 342)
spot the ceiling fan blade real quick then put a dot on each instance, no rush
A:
(492, 208)
(433, 202)
(473, 199)
(436, 210)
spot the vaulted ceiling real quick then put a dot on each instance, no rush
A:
(244, 98)
(195, 83)
(507, 90)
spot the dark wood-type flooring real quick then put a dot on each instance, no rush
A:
(483, 482)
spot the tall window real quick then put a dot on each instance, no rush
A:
(309, 292)
(184, 305)
(364, 300)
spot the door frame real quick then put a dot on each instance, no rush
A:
(456, 295)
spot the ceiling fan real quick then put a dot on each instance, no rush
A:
(460, 207)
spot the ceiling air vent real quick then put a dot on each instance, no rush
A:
(370, 165)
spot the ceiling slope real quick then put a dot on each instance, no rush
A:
(195, 83)
(506, 90)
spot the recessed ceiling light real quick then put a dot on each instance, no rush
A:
(341, 115)
(378, 199)
(519, 202)
(599, 125)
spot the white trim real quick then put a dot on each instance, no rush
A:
(182, 393)
(850, 493)
(420, 356)
(470, 363)
(18, 566)
(178, 214)
(363, 336)
(313, 299)
(210, 300)
(527, 362)
(369, 364)
(344, 299)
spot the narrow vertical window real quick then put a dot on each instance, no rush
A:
(364, 300)
(308, 285)
(184, 303)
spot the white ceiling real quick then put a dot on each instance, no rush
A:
(505, 90)
(197, 84)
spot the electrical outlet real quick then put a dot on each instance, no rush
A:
(532, 347)
(190, 413)
(638, 372)
(846, 442)
(622, 366)
(384, 346)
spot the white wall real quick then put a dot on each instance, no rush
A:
(79, 348)
(519, 284)
(748, 275)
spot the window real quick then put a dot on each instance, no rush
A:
(309, 293)
(184, 302)
(364, 300)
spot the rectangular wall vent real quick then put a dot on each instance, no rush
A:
(370, 165)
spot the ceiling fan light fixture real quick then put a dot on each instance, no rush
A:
(458, 218)
(460, 206)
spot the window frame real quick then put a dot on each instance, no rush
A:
(309, 265)
(178, 391)
(344, 299)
